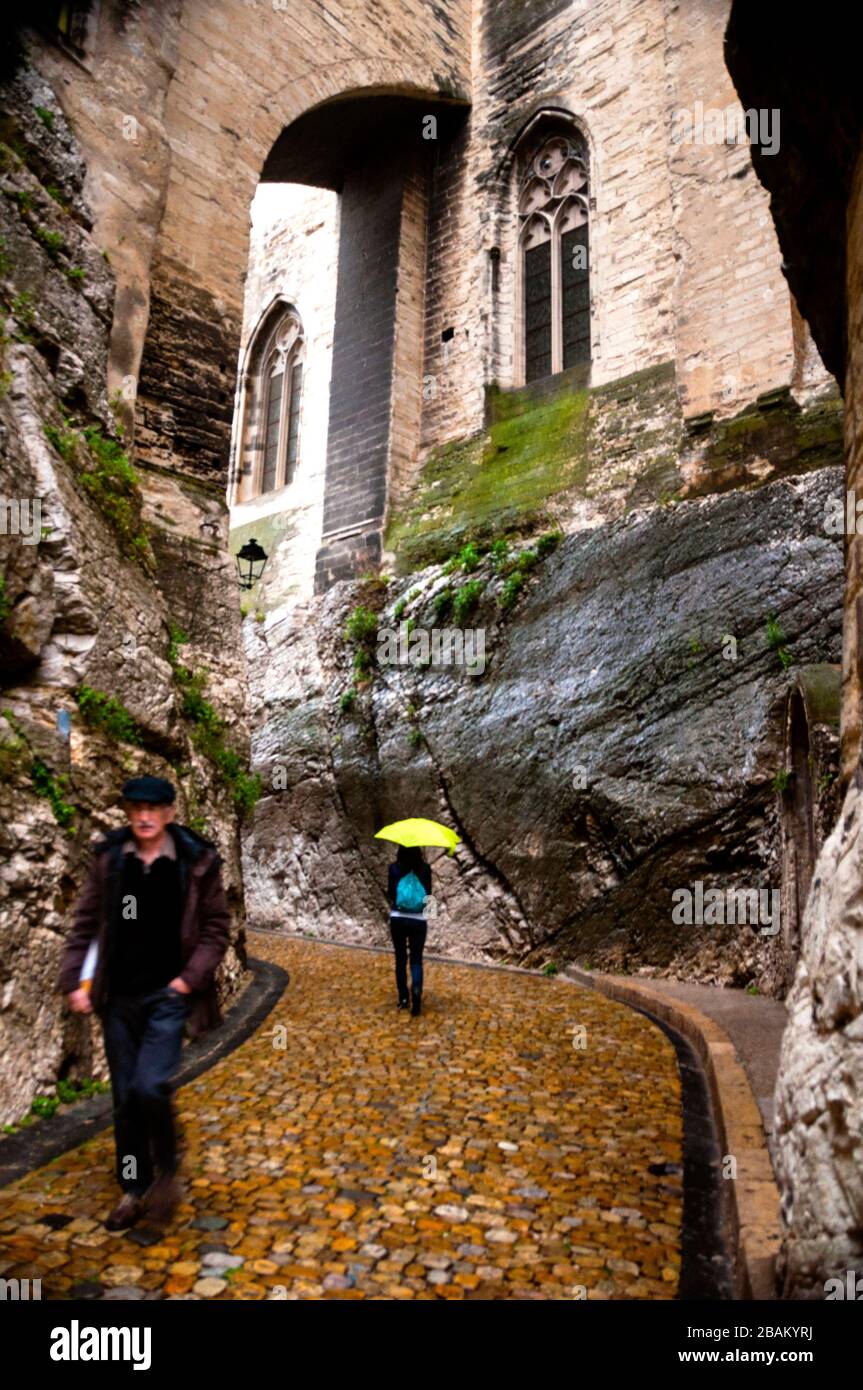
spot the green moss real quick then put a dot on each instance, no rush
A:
(45, 116)
(111, 482)
(5, 602)
(208, 729)
(108, 714)
(496, 483)
(15, 756)
(794, 439)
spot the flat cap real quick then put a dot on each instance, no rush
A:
(157, 790)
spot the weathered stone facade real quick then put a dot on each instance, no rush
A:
(685, 276)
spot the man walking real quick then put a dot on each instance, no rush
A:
(155, 907)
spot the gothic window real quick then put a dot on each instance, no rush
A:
(553, 207)
(277, 389)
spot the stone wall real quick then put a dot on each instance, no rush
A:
(93, 589)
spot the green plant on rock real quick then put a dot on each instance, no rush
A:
(24, 312)
(52, 241)
(5, 602)
(776, 639)
(45, 116)
(442, 603)
(15, 756)
(348, 700)
(53, 788)
(415, 737)
(550, 968)
(208, 728)
(781, 781)
(526, 561)
(510, 591)
(65, 440)
(466, 599)
(108, 714)
(399, 609)
(76, 274)
(113, 484)
(362, 625)
(71, 1091)
(467, 559)
(378, 583)
(548, 542)
(499, 552)
(43, 1107)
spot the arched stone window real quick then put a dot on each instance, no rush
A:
(274, 388)
(553, 254)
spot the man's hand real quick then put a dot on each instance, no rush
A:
(79, 1001)
(179, 984)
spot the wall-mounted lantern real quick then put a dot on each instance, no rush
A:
(250, 563)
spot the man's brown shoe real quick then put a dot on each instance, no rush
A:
(161, 1198)
(126, 1213)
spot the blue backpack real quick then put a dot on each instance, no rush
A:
(410, 894)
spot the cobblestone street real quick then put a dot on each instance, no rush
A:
(347, 1150)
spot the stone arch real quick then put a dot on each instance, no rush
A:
(200, 250)
(371, 146)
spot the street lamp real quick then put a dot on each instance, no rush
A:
(250, 563)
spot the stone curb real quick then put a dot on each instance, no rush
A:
(37, 1145)
(753, 1197)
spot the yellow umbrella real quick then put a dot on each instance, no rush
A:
(420, 832)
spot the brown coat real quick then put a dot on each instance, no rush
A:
(204, 929)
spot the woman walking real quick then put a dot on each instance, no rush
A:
(410, 885)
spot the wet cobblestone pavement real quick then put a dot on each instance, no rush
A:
(349, 1151)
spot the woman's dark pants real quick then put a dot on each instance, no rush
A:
(408, 935)
(143, 1043)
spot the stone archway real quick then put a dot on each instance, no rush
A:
(375, 148)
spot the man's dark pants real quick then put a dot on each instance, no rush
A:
(406, 933)
(143, 1043)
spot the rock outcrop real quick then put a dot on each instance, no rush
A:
(625, 740)
(819, 1108)
(116, 595)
